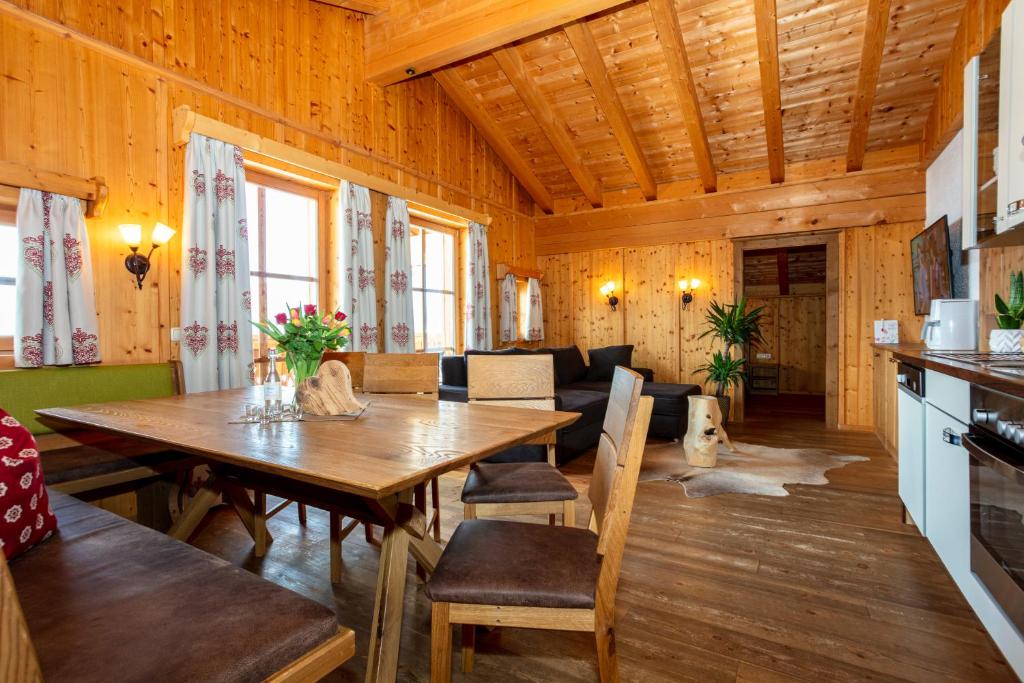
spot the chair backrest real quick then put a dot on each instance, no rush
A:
(525, 381)
(616, 471)
(18, 661)
(401, 373)
(355, 361)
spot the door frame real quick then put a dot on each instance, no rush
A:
(830, 240)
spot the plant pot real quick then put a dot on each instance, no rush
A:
(724, 403)
(1005, 341)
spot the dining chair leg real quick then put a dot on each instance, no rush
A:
(260, 523)
(569, 513)
(435, 495)
(607, 659)
(552, 459)
(552, 520)
(302, 514)
(468, 647)
(469, 511)
(335, 548)
(440, 644)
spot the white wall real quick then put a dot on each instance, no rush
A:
(944, 186)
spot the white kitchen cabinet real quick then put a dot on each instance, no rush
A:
(911, 454)
(947, 494)
(1010, 209)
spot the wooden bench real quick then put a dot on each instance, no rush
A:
(107, 599)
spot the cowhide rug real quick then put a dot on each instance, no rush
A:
(760, 470)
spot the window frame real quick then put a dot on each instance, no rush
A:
(257, 230)
(8, 215)
(458, 242)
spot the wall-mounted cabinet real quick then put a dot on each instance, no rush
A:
(994, 137)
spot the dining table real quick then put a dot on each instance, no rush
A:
(368, 468)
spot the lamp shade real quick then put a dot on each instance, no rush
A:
(162, 234)
(131, 233)
(607, 288)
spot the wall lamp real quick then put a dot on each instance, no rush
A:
(608, 291)
(136, 263)
(687, 287)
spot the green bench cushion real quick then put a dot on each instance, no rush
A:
(24, 391)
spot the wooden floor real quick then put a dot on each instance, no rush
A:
(825, 584)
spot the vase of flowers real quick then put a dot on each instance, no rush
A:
(303, 334)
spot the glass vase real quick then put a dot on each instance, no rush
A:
(302, 368)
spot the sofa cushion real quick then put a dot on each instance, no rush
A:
(491, 562)
(670, 399)
(590, 404)
(518, 482)
(25, 515)
(109, 600)
(603, 361)
(569, 364)
(453, 371)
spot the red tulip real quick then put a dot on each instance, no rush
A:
(281, 318)
(309, 309)
(340, 317)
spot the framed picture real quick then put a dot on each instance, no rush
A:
(930, 264)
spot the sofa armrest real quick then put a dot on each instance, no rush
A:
(646, 373)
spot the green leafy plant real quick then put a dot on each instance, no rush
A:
(303, 334)
(1010, 315)
(735, 326)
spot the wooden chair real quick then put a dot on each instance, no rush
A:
(499, 573)
(355, 361)
(497, 489)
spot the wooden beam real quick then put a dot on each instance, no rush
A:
(185, 122)
(464, 100)
(428, 34)
(766, 19)
(875, 26)
(552, 125)
(585, 47)
(671, 38)
(782, 262)
(364, 6)
(503, 269)
(92, 190)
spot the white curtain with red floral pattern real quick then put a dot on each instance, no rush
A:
(508, 309)
(56, 313)
(478, 290)
(355, 256)
(216, 304)
(398, 311)
(534, 311)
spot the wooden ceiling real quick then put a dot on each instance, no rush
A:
(653, 92)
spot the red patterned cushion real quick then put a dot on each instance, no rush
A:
(25, 514)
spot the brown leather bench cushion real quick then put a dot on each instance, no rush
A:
(516, 482)
(492, 562)
(109, 600)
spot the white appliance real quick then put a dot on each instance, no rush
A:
(952, 325)
(910, 403)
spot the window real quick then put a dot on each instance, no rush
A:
(434, 271)
(285, 221)
(9, 253)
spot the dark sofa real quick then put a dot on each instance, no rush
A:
(583, 389)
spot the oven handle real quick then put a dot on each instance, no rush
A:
(986, 457)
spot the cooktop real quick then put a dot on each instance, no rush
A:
(977, 357)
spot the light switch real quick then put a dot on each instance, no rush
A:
(175, 334)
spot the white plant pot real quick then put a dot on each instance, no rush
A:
(1005, 341)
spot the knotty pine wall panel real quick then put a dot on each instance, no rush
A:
(73, 106)
(794, 334)
(996, 266)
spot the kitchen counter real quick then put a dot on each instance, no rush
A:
(915, 354)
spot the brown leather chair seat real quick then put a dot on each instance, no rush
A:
(519, 482)
(491, 562)
(110, 600)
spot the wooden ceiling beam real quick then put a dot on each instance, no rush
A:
(428, 34)
(550, 123)
(670, 36)
(585, 47)
(875, 26)
(364, 6)
(453, 84)
(766, 19)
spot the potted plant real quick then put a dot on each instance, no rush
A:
(1009, 317)
(735, 326)
(303, 335)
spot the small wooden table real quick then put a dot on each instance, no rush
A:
(367, 469)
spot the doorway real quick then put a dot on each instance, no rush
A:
(793, 372)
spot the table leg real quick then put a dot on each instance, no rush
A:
(197, 509)
(386, 631)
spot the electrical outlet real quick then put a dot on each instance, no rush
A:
(175, 334)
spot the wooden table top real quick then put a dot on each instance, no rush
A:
(398, 442)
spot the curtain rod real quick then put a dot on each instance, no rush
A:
(186, 122)
(92, 190)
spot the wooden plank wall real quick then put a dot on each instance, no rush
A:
(75, 105)
(876, 283)
(794, 331)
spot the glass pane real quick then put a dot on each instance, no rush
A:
(284, 293)
(291, 233)
(7, 299)
(440, 322)
(449, 262)
(252, 210)
(254, 289)
(416, 245)
(436, 260)
(417, 316)
(8, 250)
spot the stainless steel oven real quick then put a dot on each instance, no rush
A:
(996, 446)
